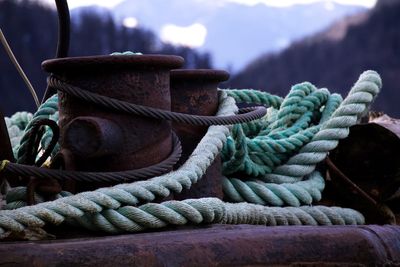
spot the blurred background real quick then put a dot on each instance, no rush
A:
(265, 44)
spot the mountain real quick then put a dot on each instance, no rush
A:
(236, 33)
(31, 30)
(369, 41)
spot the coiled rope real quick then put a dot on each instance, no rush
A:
(299, 132)
(115, 209)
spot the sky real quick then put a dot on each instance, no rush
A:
(277, 3)
(195, 35)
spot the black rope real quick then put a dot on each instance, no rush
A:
(53, 142)
(34, 136)
(245, 114)
(109, 177)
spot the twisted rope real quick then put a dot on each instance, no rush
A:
(47, 110)
(115, 209)
(308, 124)
(269, 194)
(332, 130)
(246, 114)
(15, 126)
(109, 177)
(286, 132)
(126, 194)
(114, 219)
(256, 97)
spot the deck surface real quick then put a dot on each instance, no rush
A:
(218, 245)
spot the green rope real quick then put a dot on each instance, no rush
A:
(288, 194)
(285, 131)
(15, 126)
(308, 124)
(48, 110)
(332, 130)
(317, 122)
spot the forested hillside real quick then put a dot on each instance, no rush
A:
(31, 30)
(335, 63)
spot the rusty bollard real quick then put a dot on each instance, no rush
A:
(102, 140)
(195, 92)
(365, 169)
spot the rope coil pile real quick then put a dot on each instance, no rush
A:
(277, 155)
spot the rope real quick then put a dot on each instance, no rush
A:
(332, 130)
(34, 141)
(247, 114)
(21, 72)
(115, 209)
(269, 194)
(126, 194)
(46, 111)
(109, 177)
(308, 124)
(19, 119)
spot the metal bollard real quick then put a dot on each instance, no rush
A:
(371, 183)
(195, 92)
(102, 140)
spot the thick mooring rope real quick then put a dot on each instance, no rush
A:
(115, 209)
(291, 134)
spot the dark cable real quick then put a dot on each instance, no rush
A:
(246, 114)
(109, 177)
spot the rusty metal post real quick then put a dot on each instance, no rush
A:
(104, 140)
(364, 170)
(377, 168)
(195, 92)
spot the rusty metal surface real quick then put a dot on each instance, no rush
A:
(92, 137)
(5, 144)
(344, 192)
(375, 175)
(377, 167)
(218, 245)
(195, 92)
(137, 79)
